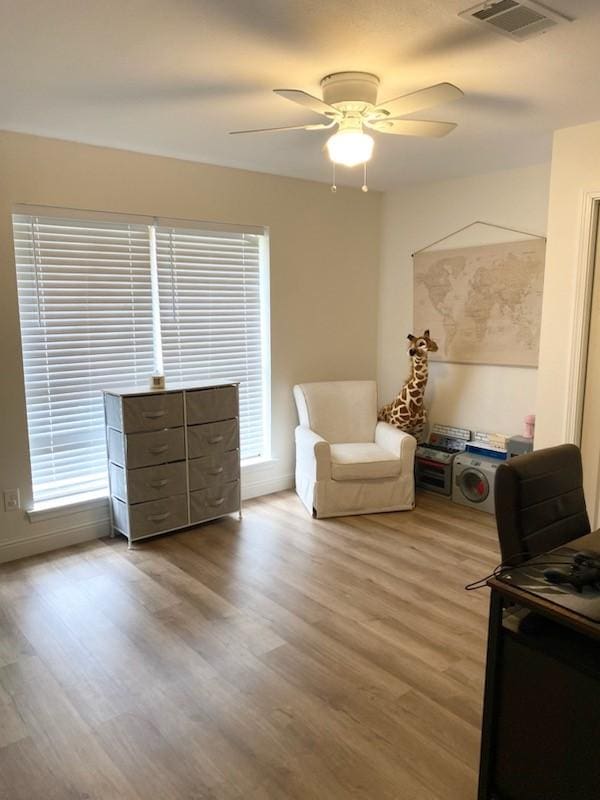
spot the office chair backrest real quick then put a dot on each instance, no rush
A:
(539, 502)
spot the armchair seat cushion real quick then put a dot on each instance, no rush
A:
(363, 461)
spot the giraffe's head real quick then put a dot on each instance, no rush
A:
(421, 345)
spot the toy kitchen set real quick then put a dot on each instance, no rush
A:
(461, 464)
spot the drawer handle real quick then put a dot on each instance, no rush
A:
(216, 471)
(159, 517)
(153, 414)
(161, 448)
(158, 484)
(215, 440)
(218, 502)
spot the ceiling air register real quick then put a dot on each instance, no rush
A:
(518, 19)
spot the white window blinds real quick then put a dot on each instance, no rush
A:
(86, 323)
(210, 311)
(88, 298)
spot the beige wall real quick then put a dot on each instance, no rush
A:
(324, 275)
(575, 175)
(476, 397)
(325, 271)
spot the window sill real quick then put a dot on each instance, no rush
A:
(259, 462)
(62, 508)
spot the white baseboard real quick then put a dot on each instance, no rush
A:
(76, 534)
(262, 486)
(44, 542)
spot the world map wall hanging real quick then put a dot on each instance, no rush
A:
(482, 304)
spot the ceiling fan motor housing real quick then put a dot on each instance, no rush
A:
(350, 91)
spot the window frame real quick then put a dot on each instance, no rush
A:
(49, 508)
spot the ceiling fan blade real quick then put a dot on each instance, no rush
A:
(418, 101)
(413, 127)
(308, 101)
(318, 127)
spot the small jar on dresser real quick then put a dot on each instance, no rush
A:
(173, 457)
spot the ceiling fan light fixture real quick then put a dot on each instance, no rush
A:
(350, 103)
(350, 147)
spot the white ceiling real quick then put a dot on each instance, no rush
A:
(173, 76)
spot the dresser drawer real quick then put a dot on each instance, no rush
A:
(148, 483)
(145, 519)
(214, 470)
(144, 449)
(208, 440)
(152, 412)
(211, 405)
(214, 502)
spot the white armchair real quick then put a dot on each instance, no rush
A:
(346, 461)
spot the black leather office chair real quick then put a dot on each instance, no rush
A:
(539, 502)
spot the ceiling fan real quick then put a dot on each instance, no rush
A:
(350, 103)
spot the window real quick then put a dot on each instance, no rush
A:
(104, 302)
(86, 321)
(210, 312)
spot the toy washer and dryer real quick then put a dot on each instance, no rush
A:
(445, 465)
(473, 483)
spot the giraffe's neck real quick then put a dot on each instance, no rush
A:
(407, 409)
(419, 372)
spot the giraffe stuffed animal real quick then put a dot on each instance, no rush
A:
(407, 410)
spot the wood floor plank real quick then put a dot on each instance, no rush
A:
(396, 572)
(12, 726)
(152, 764)
(26, 775)
(66, 744)
(281, 658)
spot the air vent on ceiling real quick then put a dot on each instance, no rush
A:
(518, 19)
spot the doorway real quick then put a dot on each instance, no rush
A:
(590, 428)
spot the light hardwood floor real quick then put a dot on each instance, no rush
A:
(280, 657)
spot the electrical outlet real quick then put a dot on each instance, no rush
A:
(12, 500)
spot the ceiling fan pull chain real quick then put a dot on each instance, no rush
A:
(364, 187)
(333, 186)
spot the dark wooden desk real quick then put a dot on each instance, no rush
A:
(541, 718)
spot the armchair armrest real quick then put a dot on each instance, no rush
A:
(313, 455)
(401, 444)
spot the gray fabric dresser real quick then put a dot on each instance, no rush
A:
(173, 457)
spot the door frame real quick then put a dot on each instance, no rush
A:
(586, 264)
